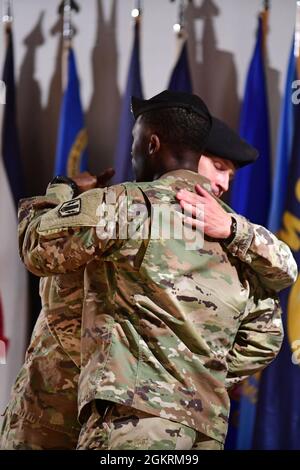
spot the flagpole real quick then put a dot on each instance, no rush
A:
(67, 40)
(66, 9)
(179, 29)
(136, 12)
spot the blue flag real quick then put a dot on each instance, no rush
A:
(250, 197)
(180, 79)
(252, 185)
(284, 148)
(71, 154)
(123, 165)
(278, 410)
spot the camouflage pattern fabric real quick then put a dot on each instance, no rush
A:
(62, 299)
(269, 257)
(40, 408)
(42, 412)
(162, 339)
(123, 428)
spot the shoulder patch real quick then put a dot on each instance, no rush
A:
(69, 208)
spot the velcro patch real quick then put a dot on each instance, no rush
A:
(70, 208)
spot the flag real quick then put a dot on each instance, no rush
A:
(180, 79)
(13, 276)
(251, 187)
(250, 197)
(71, 153)
(9, 133)
(278, 409)
(123, 165)
(284, 148)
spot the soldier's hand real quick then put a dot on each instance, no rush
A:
(104, 177)
(214, 221)
(85, 181)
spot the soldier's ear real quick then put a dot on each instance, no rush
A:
(154, 144)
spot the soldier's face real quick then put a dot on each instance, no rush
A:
(219, 171)
(141, 161)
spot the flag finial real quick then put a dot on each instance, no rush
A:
(65, 9)
(137, 10)
(265, 25)
(179, 27)
(7, 16)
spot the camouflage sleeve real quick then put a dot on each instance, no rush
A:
(269, 257)
(258, 339)
(61, 239)
(32, 208)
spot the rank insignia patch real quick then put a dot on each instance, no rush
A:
(70, 208)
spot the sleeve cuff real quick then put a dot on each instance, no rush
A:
(241, 243)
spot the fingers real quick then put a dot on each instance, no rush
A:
(202, 192)
(192, 209)
(88, 181)
(188, 196)
(105, 176)
(107, 173)
(199, 198)
(195, 223)
(86, 184)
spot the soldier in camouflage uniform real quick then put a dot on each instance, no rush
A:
(156, 306)
(42, 412)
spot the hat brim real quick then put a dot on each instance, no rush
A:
(225, 143)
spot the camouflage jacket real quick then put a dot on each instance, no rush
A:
(61, 296)
(157, 334)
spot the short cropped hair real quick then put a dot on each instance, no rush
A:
(180, 128)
